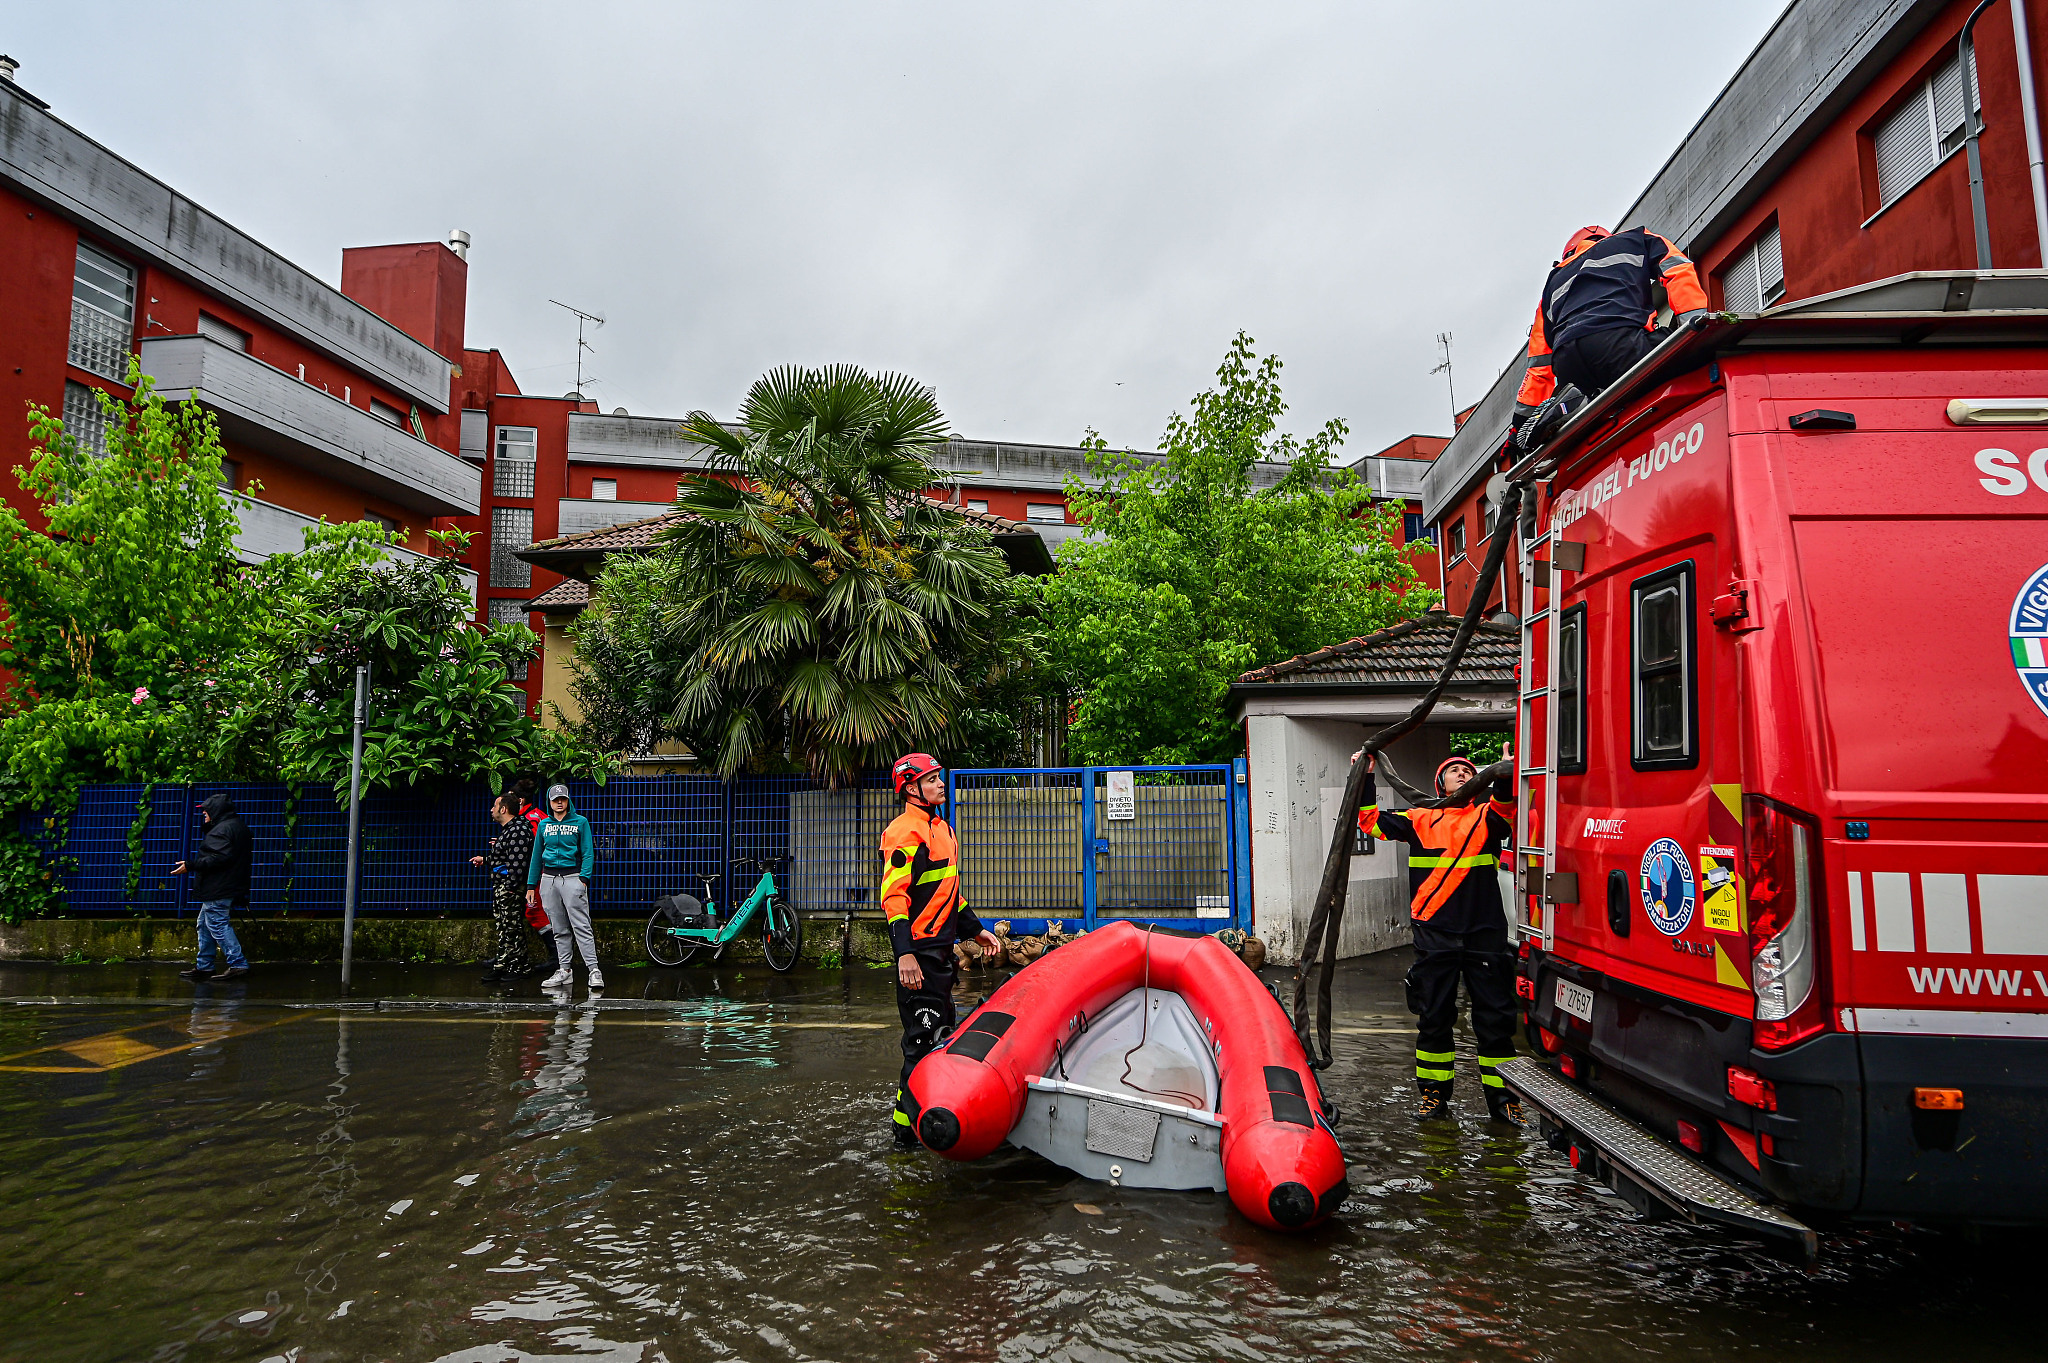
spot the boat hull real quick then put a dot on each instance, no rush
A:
(1280, 1162)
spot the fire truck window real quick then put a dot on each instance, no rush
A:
(1663, 669)
(1571, 690)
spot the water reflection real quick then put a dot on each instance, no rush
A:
(712, 1179)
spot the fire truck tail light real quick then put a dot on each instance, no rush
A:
(1689, 1137)
(1780, 848)
(1998, 411)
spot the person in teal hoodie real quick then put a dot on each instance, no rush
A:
(558, 877)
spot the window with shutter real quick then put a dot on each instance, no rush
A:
(1922, 132)
(213, 329)
(1755, 278)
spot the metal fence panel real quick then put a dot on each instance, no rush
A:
(1022, 831)
(1171, 858)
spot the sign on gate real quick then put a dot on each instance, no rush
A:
(1122, 801)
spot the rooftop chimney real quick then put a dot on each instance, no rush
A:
(8, 66)
(458, 242)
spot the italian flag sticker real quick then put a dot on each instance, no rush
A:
(2029, 652)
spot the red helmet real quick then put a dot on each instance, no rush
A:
(1458, 759)
(1581, 239)
(914, 767)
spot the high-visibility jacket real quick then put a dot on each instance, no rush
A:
(1452, 856)
(1603, 284)
(921, 884)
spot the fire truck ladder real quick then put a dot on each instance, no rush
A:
(1538, 885)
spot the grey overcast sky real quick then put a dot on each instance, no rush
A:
(1056, 213)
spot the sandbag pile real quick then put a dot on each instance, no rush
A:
(1249, 948)
(1012, 952)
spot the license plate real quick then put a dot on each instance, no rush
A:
(1575, 999)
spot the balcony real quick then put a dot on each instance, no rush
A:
(271, 411)
(266, 529)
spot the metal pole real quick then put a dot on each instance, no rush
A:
(2030, 114)
(1972, 125)
(355, 824)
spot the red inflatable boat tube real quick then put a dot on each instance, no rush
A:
(1280, 1160)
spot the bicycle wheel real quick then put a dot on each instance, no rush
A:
(782, 937)
(664, 948)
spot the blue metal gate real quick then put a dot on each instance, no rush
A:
(1088, 845)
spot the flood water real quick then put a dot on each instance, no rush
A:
(251, 1172)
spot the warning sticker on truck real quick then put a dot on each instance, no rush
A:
(1720, 898)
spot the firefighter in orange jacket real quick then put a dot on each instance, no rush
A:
(1593, 321)
(921, 900)
(1460, 929)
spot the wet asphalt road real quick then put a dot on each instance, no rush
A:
(252, 1172)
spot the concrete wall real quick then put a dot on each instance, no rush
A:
(1298, 770)
(273, 411)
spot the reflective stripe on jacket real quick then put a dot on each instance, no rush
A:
(1445, 847)
(921, 883)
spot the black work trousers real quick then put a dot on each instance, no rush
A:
(1594, 360)
(928, 1016)
(1484, 960)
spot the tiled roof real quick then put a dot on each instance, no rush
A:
(568, 594)
(632, 535)
(1408, 654)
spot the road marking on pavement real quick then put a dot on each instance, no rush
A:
(118, 1049)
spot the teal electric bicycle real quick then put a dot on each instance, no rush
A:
(680, 926)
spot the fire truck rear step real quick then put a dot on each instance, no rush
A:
(1655, 1170)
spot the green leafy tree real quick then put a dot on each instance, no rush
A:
(812, 609)
(141, 649)
(130, 597)
(443, 707)
(1191, 574)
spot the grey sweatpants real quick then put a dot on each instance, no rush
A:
(567, 900)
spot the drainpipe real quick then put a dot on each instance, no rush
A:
(1972, 125)
(2032, 116)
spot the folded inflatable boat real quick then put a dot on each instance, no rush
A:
(1148, 1059)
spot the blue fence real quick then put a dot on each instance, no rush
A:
(1186, 854)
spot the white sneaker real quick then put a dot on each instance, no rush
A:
(561, 979)
(596, 980)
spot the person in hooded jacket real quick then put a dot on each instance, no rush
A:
(536, 916)
(220, 880)
(558, 877)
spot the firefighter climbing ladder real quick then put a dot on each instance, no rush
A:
(1537, 882)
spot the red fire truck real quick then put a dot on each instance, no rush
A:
(1782, 862)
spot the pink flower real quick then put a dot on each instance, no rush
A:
(209, 681)
(141, 695)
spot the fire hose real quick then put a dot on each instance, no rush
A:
(1320, 945)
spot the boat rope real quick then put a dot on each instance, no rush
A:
(1197, 1102)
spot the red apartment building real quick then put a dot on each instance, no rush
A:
(364, 402)
(1833, 158)
(333, 403)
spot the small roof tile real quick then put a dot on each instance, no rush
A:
(1408, 654)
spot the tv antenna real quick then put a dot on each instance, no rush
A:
(582, 345)
(1443, 340)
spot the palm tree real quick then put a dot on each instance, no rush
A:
(818, 601)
